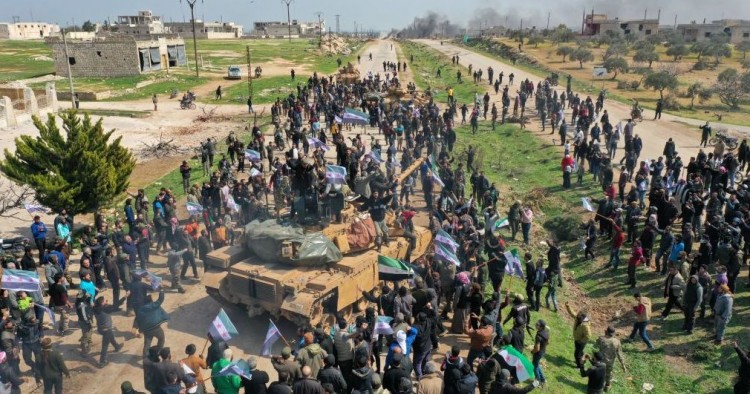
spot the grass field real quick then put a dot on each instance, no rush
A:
(125, 88)
(424, 69)
(265, 90)
(548, 61)
(222, 53)
(526, 168)
(22, 59)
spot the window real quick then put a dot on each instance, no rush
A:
(707, 34)
(648, 32)
(746, 35)
(72, 61)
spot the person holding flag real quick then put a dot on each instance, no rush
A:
(149, 318)
(39, 232)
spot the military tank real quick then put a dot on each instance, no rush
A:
(308, 276)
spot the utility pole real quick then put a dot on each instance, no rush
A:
(191, 3)
(320, 29)
(337, 23)
(288, 17)
(249, 75)
(548, 15)
(70, 74)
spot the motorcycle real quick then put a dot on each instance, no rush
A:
(730, 142)
(278, 138)
(187, 104)
(174, 93)
(13, 245)
(637, 114)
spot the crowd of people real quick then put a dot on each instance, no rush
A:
(446, 296)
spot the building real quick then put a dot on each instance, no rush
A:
(28, 30)
(148, 24)
(282, 29)
(596, 25)
(737, 30)
(118, 55)
(206, 30)
(143, 24)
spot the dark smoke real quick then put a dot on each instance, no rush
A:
(509, 18)
(430, 25)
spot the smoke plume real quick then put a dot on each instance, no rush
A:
(430, 25)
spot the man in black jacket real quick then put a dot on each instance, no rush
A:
(393, 376)
(377, 207)
(422, 343)
(596, 373)
(331, 375)
(104, 327)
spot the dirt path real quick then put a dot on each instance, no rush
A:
(190, 313)
(653, 133)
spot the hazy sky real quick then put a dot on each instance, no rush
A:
(375, 15)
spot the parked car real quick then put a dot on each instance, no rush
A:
(234, 72)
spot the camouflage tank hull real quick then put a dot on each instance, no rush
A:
(309, 295)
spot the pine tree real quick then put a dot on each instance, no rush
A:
(77, 169)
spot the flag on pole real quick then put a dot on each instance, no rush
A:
(272, 335)
(436, 179)
(49, 313)
(252, 155)
(194, 208)
(587, 204)
(374, 155)
(444, 238)
(336, 175)
(238, 368)
(231, 204)
(513, 266)
(444, 253)
(17, 280)
(524, 368)
(393, 269)
(153, 279)
(383, 326)
(34, 207)
(222, 327)
(254, 172)
(500, 223)
(316, 143)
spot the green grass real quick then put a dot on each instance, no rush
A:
(24, 59)
(424, 70)
(116, 112)
(265, 90)
(526, 168)
(124, 88)
(223, 53)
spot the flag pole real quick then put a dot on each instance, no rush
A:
(208, 336)
(280, 334)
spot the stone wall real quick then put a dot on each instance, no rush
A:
(110, 57)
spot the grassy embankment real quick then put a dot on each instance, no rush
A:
(527, 168)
